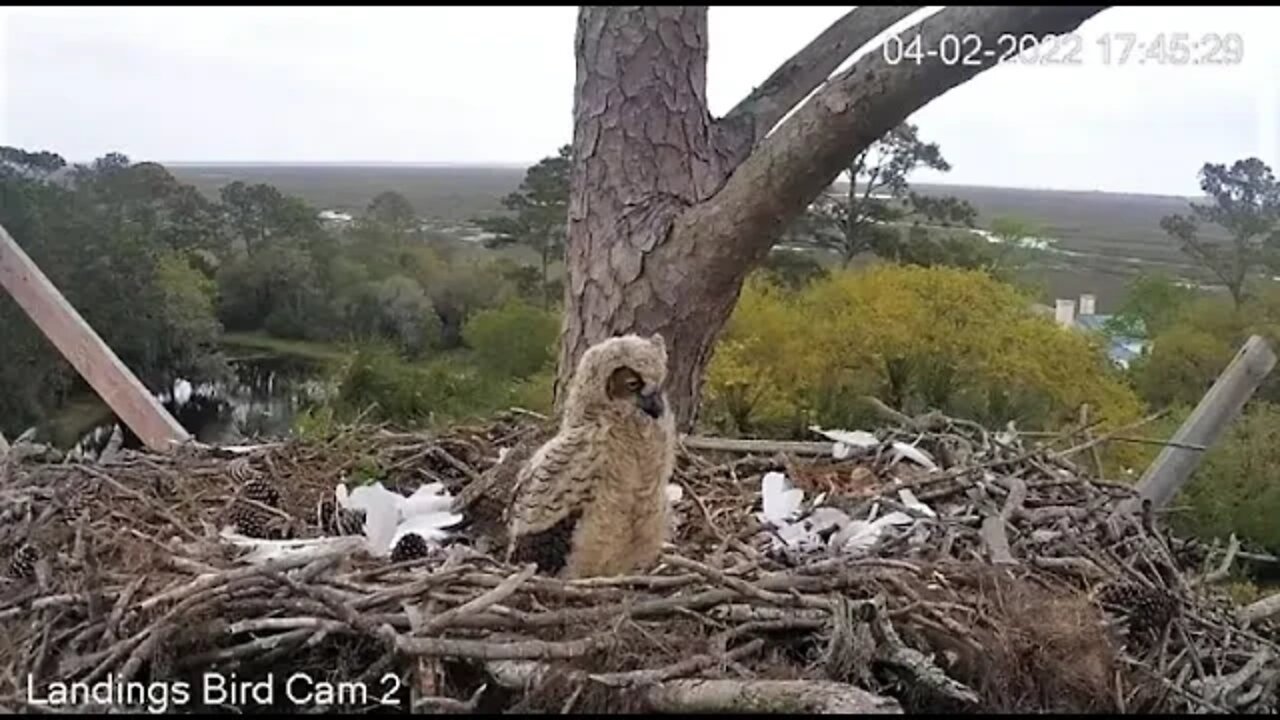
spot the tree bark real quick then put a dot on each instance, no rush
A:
(670, 209)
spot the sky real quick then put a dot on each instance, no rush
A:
(485, 85)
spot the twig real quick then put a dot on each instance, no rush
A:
(1224, 568)
(482, 650)
(504, 590)
(776, 696)
(684, 667)
(757, 447)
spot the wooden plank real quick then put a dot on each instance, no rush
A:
(1217, 410)
(85, 350)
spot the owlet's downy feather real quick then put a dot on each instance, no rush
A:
(591, 502)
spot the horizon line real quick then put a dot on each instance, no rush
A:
(520, 165)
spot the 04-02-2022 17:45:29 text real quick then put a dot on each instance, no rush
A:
(1068, 49)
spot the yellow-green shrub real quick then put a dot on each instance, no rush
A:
(917, 338)
(513, 341)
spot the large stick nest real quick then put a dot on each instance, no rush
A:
(1029, 591)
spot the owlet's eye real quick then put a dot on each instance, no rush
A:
(633, 383)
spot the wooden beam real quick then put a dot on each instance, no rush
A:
(1217, 410)
(119, 388)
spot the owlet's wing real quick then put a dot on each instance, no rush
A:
(552, 494)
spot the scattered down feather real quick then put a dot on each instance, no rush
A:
(914, 454)
(780, 502)
(846, 440)
(859, 536)
(909, 499)
(793, 530)
(390, 515)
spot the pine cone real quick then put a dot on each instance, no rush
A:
(410, 547)
(251, 521)
(23, 563)
(262, 491)
(333, 520)
(1145, 608)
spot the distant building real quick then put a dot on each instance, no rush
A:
(1122, 349)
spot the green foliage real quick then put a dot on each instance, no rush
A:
(316, 424)
(1151, 306)
(917, 338)
(380, 385)
(515, 340)
(792, 269)
(539, 213)
(123, 243)
(1189, 354)
(189, 326)
(945, 211)
(1246, 205)
(395, 309)
(954, 248)
(259, 213)
(1237, 486)
(877, 197)
(392, 210)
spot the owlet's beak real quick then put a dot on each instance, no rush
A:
(651, 403)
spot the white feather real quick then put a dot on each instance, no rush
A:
(430, 526)
(909, 499)
(388, 515)
(780, 501)
(381, 515)
(825, 518)
(846, 440)
(675, 493)
(427, 499)
(914, 454)
(860, 536)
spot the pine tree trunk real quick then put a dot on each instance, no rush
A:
(644, 153)
(670, 208)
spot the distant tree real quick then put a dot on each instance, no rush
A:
(1010, 251)
(396, 309)
(1196, 343)
(1246, 204)
(877, 185)
(540, 210)
(393, 210)
(1151, 305)
(1182, 365)
(118, 239)
(945, 211)
(31, 164)
(260, 212)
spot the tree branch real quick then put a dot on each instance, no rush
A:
(805, 71)
(807, 151)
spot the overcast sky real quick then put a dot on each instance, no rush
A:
(494, 85)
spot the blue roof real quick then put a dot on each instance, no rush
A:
(1092, 322)
(1121, 349)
